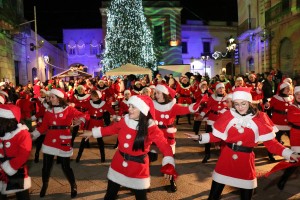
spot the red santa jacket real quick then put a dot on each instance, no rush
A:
(293, 116)
(96, 113)
(279, 106)
(26, 107)
(56, 125)
(166, 114)
(185, 94)
(236, 168)
(40, 114)
(128, 173)
(215, 107)
(81, 102)
(16, 145)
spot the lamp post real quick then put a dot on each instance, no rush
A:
(231, 48)
(205, 59)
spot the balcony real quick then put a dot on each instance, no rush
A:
(279, 10)
(248, 24)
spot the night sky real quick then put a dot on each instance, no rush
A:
(55, 15)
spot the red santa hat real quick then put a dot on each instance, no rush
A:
(287, 80)
(58, 92)
(239, 79)
(242, 93)
(2, 100)
(166, 90)
(99, 94)
(10, 111)
(296, 89)
(36, 80)
(144, 103)
(3, 93)
(202, 83)
(220, 85)
(50, 81)
(284, 85)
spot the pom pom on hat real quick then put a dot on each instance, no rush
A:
(166, 90)
(10, 111)
(59, 92)
(242, 93)
(144, 103)
(296, 89)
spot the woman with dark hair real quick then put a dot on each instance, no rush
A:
(58, 140)
(241, 128)
(130, 164)
(15, 147)
(278, 106)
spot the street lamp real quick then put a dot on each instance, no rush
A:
(231, 48)
(205, 59)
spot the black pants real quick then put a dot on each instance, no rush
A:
(38, 144)
(113, 189)
(65, 165)
(23, 195)
(100, 146)
(196, 127)
(208, 145)
(280, 133)
(217, 188)
(74, 130)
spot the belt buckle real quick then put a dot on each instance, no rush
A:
(234, 147)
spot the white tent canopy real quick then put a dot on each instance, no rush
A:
(129, 69)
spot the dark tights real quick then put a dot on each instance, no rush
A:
(23, 195)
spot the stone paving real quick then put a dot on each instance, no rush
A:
(193, 183)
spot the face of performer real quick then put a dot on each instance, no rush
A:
(95, 97)
(297, 96)
(204, 86)
(252, 78)
(159, 96)
(238, 82)
(221, 90)
(127, 95)
(133, 112)
(54, 99)
(241, 106)
(80, 90)
(286, 90)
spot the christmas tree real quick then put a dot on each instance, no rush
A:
(128, 37)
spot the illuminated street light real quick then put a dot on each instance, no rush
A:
(205, 59)
(231, 48)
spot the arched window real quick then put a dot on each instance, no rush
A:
(81, 47)
(34, 73)
(94, 50)
(71, 47)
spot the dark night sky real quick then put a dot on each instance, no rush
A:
(54, 15)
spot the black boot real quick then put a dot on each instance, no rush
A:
(207, 153)
(215, 191)
(81, 148)
(101, 149)
(173, 185)
(189, 119)
(73, 191)
(177, 120)
(36, 157)
(271, 157)
(70, 176)
(47, 166)
(287, 173)
(206, 158)
(116, 145)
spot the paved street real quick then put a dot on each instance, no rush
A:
(193, 183)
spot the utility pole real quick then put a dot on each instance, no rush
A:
(36, 44)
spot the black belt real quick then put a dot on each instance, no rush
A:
(80, 109)
(295, 126)
(96, 118)
(280, 112)
(214, 112)
(185, 95)
(171, 138)
(236, 147)
(58, 127)
(138, 159)
(165, 126)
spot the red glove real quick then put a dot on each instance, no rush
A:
(170, 170)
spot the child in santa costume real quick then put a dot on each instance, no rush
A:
(293, 114)
(96, 108)
(58, 141)
(241, 127)
(166, 111)
(15, 147)
(130, 164)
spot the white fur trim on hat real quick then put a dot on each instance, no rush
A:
(229, 96)
(284, 85)
(6, 114)
(296, 89)
(220, 85)
(2, 100)
(43, 90)
(239, 79)
(57, 93)
(99, 93)
(287, 80)
(139, 103)
(127, 92)
(241, 95)
(162, 89)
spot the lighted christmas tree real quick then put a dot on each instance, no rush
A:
(128, 37)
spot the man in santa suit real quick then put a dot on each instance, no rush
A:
(119, 89)
(36, 88)
(130, 164)
(241, 128)
(15, 151)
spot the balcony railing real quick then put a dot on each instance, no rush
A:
(279, 10)
(248, 24)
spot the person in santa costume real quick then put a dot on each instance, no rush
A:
(15, 150)
(242, 128)
(36, 88)
(293, 119)
(239, 82)
(80, 101)
(43, 104)
(215, 107)
(279, 105)
(166, 111)
(96, 109)
(130, 164)
(58, 141)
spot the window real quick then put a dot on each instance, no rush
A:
(80, 47)
(72, 47)
(158, 34)
(206, 47)
(184, 47)
(94, 48)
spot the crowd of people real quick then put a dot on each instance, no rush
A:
(237, 113)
